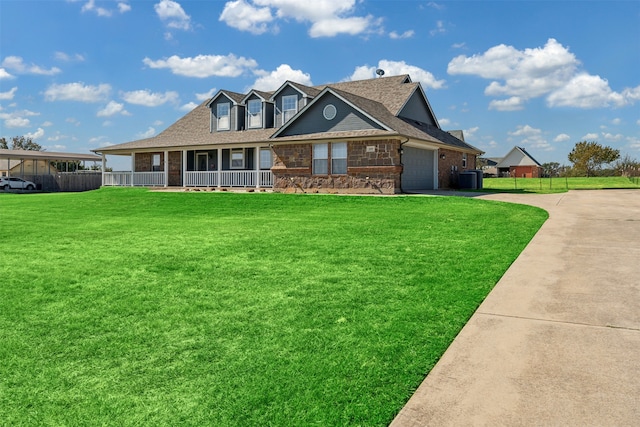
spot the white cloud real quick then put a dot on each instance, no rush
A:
(590, 137)
(531, 137)
(113, 108)
(394, 68)
(444, 122)
(514, 103)
(188, 107)
(149, 99)
(437, 6)
(47, 123)
(611, 137)
(246, 17)
(4, 74)
(6, 96)
(90, 6)
(440, 29)
(17, 65)
(561, 138)
(17, 119)
(406, 35)
(123, 7)
(77, 92)
(65, 57)
(471, 132)
(35, 135)
(147, 134)
(328, 18)
(275, 79)
(587, 91)
(551, 71)
(206, 95)
(204, 65)
(331, 27)
(173, 15)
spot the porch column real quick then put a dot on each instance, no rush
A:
(184, 168)
(256, 161)
(219, 165)
(104, 166)
(166, 168)
(133, 166)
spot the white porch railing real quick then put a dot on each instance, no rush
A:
(201, 179)
(117, 178)
(148, 179)
(250, 178)
(143, 179)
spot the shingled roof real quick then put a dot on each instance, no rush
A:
(381, 99)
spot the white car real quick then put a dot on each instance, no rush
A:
(10, 182)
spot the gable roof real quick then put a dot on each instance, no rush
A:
(233, 96)
(307, 91)
(517, 156)
(380, 100)
(392, 92)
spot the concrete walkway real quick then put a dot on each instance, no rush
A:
(557, 342)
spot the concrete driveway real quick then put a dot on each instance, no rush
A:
(557, 342)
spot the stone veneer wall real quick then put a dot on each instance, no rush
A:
(376, 171)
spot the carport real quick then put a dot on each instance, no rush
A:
(39, 167)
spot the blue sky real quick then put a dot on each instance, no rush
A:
(78, 75)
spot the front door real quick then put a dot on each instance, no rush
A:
(201, 161)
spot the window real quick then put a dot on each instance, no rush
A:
(265, 158)
(155, 165)
(237, 158)
(321, 159)
(255, 113)
(464, 160)
(289, 107)
(223, 116)
(339, 158)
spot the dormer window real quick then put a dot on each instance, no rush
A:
(289, 107)
(223, 116)
(254, 110)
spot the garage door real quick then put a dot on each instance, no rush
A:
(418, 169)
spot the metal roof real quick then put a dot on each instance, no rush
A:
(47, 155)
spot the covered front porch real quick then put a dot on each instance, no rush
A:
(218, 167)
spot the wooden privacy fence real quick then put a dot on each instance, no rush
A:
(66, 181)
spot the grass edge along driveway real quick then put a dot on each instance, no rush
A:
(129, 307)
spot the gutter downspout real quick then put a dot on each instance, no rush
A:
(400, 151)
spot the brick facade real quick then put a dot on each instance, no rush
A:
(372, 167)
(525, 171)
(451, 166)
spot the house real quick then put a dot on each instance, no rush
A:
(369, 136)
(519, 163)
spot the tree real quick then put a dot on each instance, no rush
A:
(627, 166)
(20, 143)
(588, 157)
(551, 169)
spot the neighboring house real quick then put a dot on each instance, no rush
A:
(518, 163)
(370, 136)
(488, 166)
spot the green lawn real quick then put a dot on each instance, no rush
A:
(558, 185)
(128, 307)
